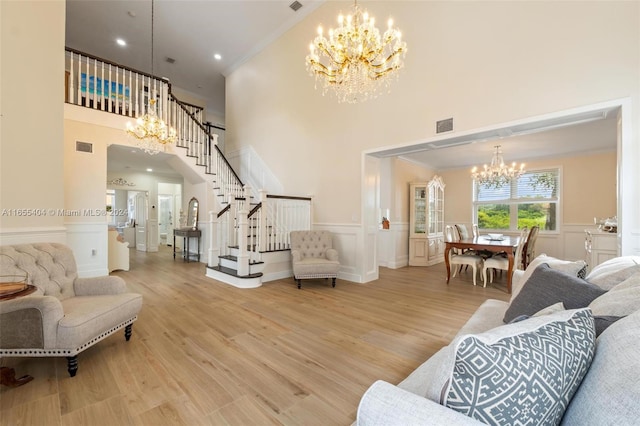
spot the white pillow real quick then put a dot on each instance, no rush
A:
(607, 274)
(622, 300)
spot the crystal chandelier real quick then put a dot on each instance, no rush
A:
(498, 173)
(356, 62)
(151, 132)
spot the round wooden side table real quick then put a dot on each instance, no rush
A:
(10, 291)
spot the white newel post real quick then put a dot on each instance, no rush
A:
(214, 249)
(243, 233)
(262, 224)
(232, 215)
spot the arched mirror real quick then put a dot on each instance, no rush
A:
(192, 214)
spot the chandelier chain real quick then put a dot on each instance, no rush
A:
(152, 21)
(152, 134)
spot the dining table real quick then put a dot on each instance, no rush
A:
(505, 244)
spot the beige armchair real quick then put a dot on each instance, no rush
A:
(313, 256)
(66, 314)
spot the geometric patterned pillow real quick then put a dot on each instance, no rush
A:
(526, 378)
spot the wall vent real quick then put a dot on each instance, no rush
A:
(444, 125)
(295, 5)
(84, 146)
(171, 60)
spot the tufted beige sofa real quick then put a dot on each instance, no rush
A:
(313, 256)
(66, 314)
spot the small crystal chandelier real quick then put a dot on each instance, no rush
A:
(356, 62)
(498, 173)
(151, 132)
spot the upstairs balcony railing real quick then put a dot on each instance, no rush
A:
(103, 85)
(106, 86)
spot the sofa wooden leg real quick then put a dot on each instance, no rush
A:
(299, 283)
(333, 282)
(127, 332)
(72, 365)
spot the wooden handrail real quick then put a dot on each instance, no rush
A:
(255, 209)
(288, 197)
(224, 210)
(179, 102)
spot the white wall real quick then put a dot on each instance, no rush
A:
(483, 63)
(31, 103)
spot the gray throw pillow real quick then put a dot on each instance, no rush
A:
(524, 373)
(547, 286)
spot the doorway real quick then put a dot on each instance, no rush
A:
(169, 202)
(139, 211)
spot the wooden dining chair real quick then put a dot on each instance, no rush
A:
(501, 262)
(463, 234)
(458, 260)
(529, 250)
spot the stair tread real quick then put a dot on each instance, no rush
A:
(235, 258)
(233, 272)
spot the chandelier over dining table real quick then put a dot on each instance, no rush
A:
(497, 173)
(356, 62)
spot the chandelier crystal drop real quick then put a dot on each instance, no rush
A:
(355, 61)
(151, 133)
(498, 173)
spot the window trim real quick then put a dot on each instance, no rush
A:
(514, 202)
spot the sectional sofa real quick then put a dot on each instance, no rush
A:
(567, 354)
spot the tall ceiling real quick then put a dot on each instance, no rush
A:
(192, 32)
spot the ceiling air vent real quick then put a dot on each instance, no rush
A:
(295, 5)
(171, 60)
(444, 125)
(84, 146)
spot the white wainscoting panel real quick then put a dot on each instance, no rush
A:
(253, 171)
(13, 236)
(345, 241)
(90, 248)
(370, 261)
(393, 246)
(153, 237)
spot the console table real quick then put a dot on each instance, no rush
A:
(187, 234)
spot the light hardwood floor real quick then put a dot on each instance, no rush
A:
(204, 353)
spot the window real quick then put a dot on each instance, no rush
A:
(530, 200)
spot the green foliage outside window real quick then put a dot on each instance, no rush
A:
(509, 198)
(534, 214)
(493, 216)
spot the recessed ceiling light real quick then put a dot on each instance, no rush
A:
(121, 42)
(149, 170)
(217, 56)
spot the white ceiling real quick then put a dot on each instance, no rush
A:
(126, 159)
(191, 32)
(595, 134)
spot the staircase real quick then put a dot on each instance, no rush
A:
(246, 236)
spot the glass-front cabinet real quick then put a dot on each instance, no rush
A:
(426, 232)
